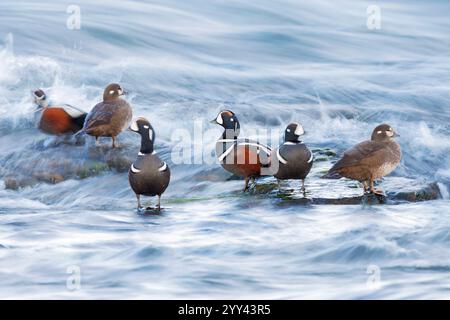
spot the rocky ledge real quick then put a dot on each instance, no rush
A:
(59, 160)
(397, 190)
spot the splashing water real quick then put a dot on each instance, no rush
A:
(271, 63)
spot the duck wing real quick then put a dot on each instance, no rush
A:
(100, 115)
(363, 153)
(72, 111)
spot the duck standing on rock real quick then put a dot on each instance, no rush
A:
(148, 175)
(57, 120)
(242, 157)
(370, 160)
(109, 117)
(294, 158)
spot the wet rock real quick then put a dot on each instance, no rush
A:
(49, 177)
(54, 160)
(91, 170)
(429, 192)
(118, 161)
(324, 152)
(348, 193)
(15, 183)
(214, 174)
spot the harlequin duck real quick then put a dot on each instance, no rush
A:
(371, 159)
(58, 120)
(110, 117)
(148, 175)
(294, 158)
(242, 157)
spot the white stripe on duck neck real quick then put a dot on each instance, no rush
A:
(290, 143)
(144, 154)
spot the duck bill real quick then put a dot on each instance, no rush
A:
(214, 121)
(396, 135)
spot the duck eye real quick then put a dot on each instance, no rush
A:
(288, 130)
(231, 119)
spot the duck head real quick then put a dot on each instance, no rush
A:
(40, 98)
(145, 129)
(293, 132)
(113, 91)
(383, 132)
(228, 120)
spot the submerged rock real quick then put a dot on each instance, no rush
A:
(347, 193)
(60, 159)
(118, 161)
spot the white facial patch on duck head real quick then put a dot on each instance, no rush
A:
(37, 97)
(150, 132)
(219, 118)
(134, 126)
(299, 130)
(390, 133)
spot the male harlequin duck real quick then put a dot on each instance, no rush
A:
(57, 120)
(110, 117)
(242, 157)
(371, 159)
(148, 175)
(294, 158)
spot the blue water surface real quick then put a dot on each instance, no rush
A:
(271, 62)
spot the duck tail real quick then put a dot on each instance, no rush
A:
(80, 133)
(80, 120)
(331, 175)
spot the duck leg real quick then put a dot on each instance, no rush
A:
(375, 191)
(366, 186)
(279, 184)
(253, 179)
(138, 197)
(158, 206)
(97, 144)
(303, 186)
(246, 184)
(114, 144)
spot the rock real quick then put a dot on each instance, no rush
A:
(429, 192)
(15, 183)
(347, 193)
(214, 174)
(118, 161)
(49, 177)
(55, 159)
(324, 152)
